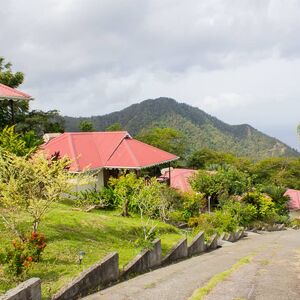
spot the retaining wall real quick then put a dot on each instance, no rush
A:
(106, 271)
(27, 290)
(92, 279)
(197, 246)
(145, 260)
(213, 242)
(179, 251)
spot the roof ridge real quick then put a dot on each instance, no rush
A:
(131, 154)
(93, 132)
(125, 136)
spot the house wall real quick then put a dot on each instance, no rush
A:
(295, 214)
(97, 182)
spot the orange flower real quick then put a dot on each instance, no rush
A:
(29, 258)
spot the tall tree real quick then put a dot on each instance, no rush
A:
(114, 127)
(167, 139)
(42, 122)
(86, 126)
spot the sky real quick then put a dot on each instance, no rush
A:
(238, 60)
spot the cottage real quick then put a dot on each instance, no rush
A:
(179, 179)
(104, 154)
(294, 203)
(12, 95)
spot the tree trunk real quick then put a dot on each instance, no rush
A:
(125, 208)
(35, 226)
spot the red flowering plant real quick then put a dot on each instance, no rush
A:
(18, 259)
(36, 245)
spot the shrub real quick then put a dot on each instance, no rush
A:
(18, 259)
(229, 181)
(244, 213)
(105, 198)
(126, 188)
(217, 222)
(192, 204)
(263, 204)
(30, 186)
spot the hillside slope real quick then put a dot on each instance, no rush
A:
(200, 128)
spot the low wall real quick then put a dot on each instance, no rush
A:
(145, 260)
(213, 243)
(155, 256)
(106, 271)
(179, 251)
(27, 290)
(97, 276)
(197, 246)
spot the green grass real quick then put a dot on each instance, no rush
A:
(200, 293)
(97, 233)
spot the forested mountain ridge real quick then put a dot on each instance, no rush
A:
(201, 129)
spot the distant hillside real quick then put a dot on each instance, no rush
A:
(201, 129)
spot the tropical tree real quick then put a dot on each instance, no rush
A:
(30, 187)
(42, 122)
(226, 182)
(114, 127)
(17, 143)
(11, 79)
(167, 139)
(126, 188)
(86, 126)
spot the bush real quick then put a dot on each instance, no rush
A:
(244, 213)
(192, 204)
(18, 259)
(217, 222)
(264, 206)
(105, 198)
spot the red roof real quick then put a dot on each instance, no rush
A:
(94, 150)
(8, 93)
(180, 178)
(294, 202)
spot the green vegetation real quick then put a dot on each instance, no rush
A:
(37, 122)
(114, 127)
(69, 231)
(167, 139)
(86, 126)
(214, 281)
(42, 233)
(199, 129)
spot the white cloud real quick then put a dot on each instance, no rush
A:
(238, 60)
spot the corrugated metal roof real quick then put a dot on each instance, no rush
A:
(294, 195)
(94, 150)
(180, 178)
(8, 93)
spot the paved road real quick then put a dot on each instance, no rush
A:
(274, 273)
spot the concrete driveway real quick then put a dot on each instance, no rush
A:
(273, 273)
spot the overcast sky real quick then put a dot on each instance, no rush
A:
(237, 60)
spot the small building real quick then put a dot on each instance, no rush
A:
(179, 178)
(12, 95)
(104, 154)
(294, 203)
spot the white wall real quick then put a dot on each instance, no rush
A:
(96, 182)
(295, 214)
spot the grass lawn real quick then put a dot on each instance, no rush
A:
(97, 233)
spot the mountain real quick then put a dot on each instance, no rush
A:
(201, 129)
